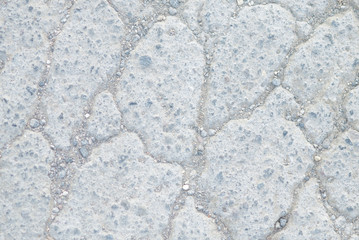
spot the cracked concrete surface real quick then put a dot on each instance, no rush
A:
(179, 119)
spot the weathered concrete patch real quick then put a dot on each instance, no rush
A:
(246, 58)
(253, 167)
(77, 72)
(159, 91)
(25, 188)
(120, 194)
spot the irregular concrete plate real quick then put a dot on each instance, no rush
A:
(254, 166)
(159, 91)
(309, 220)
(25, 188)
(339, 171)
(190, 224)
(313, 72)
(119, 194)
(246, 58)
(76, 72)
(105, 119)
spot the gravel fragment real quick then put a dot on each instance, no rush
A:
(84, 152)
(34, 123)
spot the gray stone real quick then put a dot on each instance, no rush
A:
(303, 29)
(25, 188)
(172, 11)
(34, 123)
(125, 199)
(84, 152)
(174, 3)
(216, 14)
(133, 10)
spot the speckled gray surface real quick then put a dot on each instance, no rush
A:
(179, 119)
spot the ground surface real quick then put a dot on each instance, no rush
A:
(179, 119)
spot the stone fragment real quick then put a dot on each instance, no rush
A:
(34, 123)
(121, 193)
(25, 188)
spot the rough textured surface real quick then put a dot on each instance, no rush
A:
(23, 30)
(179, 119)
(312, 71)
(244, 64)
(159, 88)
(76, 73)
(25, 188)
(190, 224)
(340, 171)
(352, 108)
(105, 119)
(120, 194)
(319, 120)
(249, 167)
(309, 220)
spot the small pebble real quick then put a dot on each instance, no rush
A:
(34, 123)
(62, 174)
(190, 192)
(276, 82)
(317, 158)
(211, 132)
(172, 11)
(282, 222)
(55, 210)
(239, 2)
(43, 122)
(203, 133)
(185, 187)
(161, 18)
(84, 153)
(174, 3)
